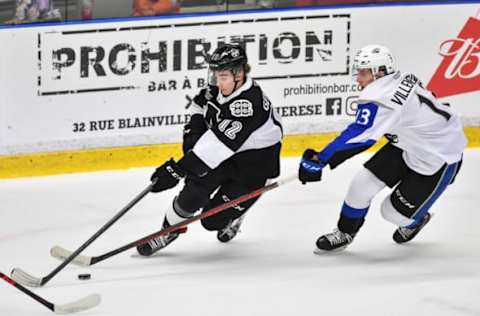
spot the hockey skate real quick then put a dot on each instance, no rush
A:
(335, 241)
(404, 234)
(158, 243)
(231, 230)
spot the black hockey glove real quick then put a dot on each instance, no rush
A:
(166, 176)
(310, 169)
(192, 131)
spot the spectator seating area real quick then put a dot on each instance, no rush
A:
(20, 11)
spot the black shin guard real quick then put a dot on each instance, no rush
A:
(350, 225)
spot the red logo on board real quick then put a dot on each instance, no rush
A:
(459, 72)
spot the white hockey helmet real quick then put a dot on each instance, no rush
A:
(374, 57)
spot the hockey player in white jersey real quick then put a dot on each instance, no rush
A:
(421, 159)
(231, 147)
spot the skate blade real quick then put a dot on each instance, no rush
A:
(322, 252)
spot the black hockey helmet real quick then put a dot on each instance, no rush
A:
(228, 56)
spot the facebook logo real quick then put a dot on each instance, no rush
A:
(334, 106)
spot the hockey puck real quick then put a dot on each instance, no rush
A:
(85, 276)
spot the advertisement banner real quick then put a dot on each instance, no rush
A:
(459, 71)
(125, 83)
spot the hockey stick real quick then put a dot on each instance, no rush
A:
(28, 280)
(62, 253)
(77, 306)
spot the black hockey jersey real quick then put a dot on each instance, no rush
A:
(243, 121)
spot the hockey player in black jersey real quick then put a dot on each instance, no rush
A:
(231, 147)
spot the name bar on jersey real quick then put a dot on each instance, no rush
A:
(404, 89)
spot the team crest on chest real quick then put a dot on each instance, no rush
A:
(241, 108)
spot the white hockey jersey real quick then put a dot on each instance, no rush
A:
(429, 132)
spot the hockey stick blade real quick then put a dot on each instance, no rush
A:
(62, 254)
(26, 279)
(78, 306)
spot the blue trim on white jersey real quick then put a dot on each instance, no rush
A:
(366, 114)
(352, 212)
(445, 180)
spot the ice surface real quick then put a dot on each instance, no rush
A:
(269, 269)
